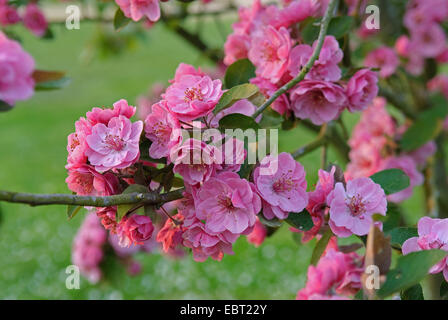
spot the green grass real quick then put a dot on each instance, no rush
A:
(35, 242)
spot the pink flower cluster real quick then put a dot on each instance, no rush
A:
(137, 9)
(263, 35)
(373, 148)
(432, 234)
(336, 277)
(427, 38)
(16, 70)
(33, 18)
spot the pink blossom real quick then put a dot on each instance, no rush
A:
(16, 69)
(227, 202)
(115, 146)
(108, 218)
(362, 88)
(257, 236)
(207, 244)
(402, 46)
(318, 101)
(159, 125)
(120, 108)
(85, 181)
(432, 234)
(443, 57)
(269, 52)
(384, 58)
(423, 153)
(428, 40)
(171, 234)
(87, 251)
(325, 68)
(296, 11)
(192, 96)
(318, 197)
(236, 48)
(134, 230)
(351, 208)
(365, 160)
(8, 15)
(336, 276)
(184, 69)
(284, 189)
(34, 20)
(243, 106)
(195, 161)
(408, 165)
(137, 9)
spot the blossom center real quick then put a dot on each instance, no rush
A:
(283, 184)
(192, 94)
(226, 202)
(115, 142)
(356, 205)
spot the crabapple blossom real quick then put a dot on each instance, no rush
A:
(361, 89)
(284, 189)
(269, 52)
(34, 20)
(134, 230)
(257, 236)
(352, 207)
(100, 115)
(171, 234)
(16, 69)
(85, 181)
(192, 96)
(159, 125)
(227, 202)
(115, 146)
(336, 276)
(8, 14)
(137, 9)
(432, 234)
(383, 58)
(318, 101)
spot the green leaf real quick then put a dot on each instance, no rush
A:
(301, 221)
(72, 211)
(238, 121)
(311, 30)
(123, 209)
(271, 119)
(410, 270)
(413, 293)
(5, 107)
(425, 128)
(53, 84)
(273, 223)
(340, 26)
(320, 247)
(239, 72)
(242, 91)
(120, 20)
(391, 180)
(399, 235)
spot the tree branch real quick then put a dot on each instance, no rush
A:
(90, 201)
(320, 42)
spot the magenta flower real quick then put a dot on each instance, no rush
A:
(336, 276)
(227, 202)
(137, 9)
(236, 48)
(257, 236)
(318, 198)
(318, 101)
(269, 52)
(325, 68)
(120, 108)
(34, 20)
(432, 234)
(362, 88)
(115, 146)
(207, 244)
(86, 181)
(384, 58)
(159, 125)
(351, 208)
(8, 14)
(281, 104)
(192, 96)
(16, 69)
(134, 230)
(195, 161)
(284, 189)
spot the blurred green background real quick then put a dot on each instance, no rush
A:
(35, 243)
